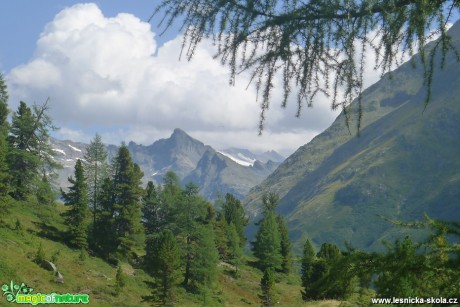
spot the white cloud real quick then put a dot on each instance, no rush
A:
(106, 74)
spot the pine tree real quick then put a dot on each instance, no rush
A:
(234, 247)
(164, 256)
(77, 216)
(127, 193)
(234, 213)
(267, 285)
(286, 245)
(96, 169)
(267, 244)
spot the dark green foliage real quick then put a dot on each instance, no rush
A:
(267, 284)
(30, 157)
(163, 255)
(77, 216)
(189, 215)
(325, 275)
(23, 159)
(96, 169)
(267, 244)
(151, 210)
(402, 271)
(286, 245)
(308, 260)
(104, 239)
(127, 192)
(233, 212)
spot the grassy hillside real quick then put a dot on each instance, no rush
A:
(93, 276)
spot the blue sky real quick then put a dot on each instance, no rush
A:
(27, 19)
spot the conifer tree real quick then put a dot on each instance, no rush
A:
(267, 244)
(190, 213)
(96, 169)
(104, 236)
(171, 196)
(234, 213)
(203, 260)
(267, 285)
(77, 216)
(151, 210)
(30, 156)
(286, 245)
(127, 194)
(22, 159)
(164, 257)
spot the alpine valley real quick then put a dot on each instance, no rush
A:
(404, 164)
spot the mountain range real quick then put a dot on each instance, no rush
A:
(406, 163)
(226, 171)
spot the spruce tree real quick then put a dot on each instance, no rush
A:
(286, 245)
(96, 169)
(77, 216)
(164, 256)
(127, 194)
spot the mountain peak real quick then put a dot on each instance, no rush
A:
(179, 132)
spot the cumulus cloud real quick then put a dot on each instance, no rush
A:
(107, 74)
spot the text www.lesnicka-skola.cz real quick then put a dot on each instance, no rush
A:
(415, 300)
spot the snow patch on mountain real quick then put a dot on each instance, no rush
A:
(59, 151)
(239, 158)
(74, 148)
